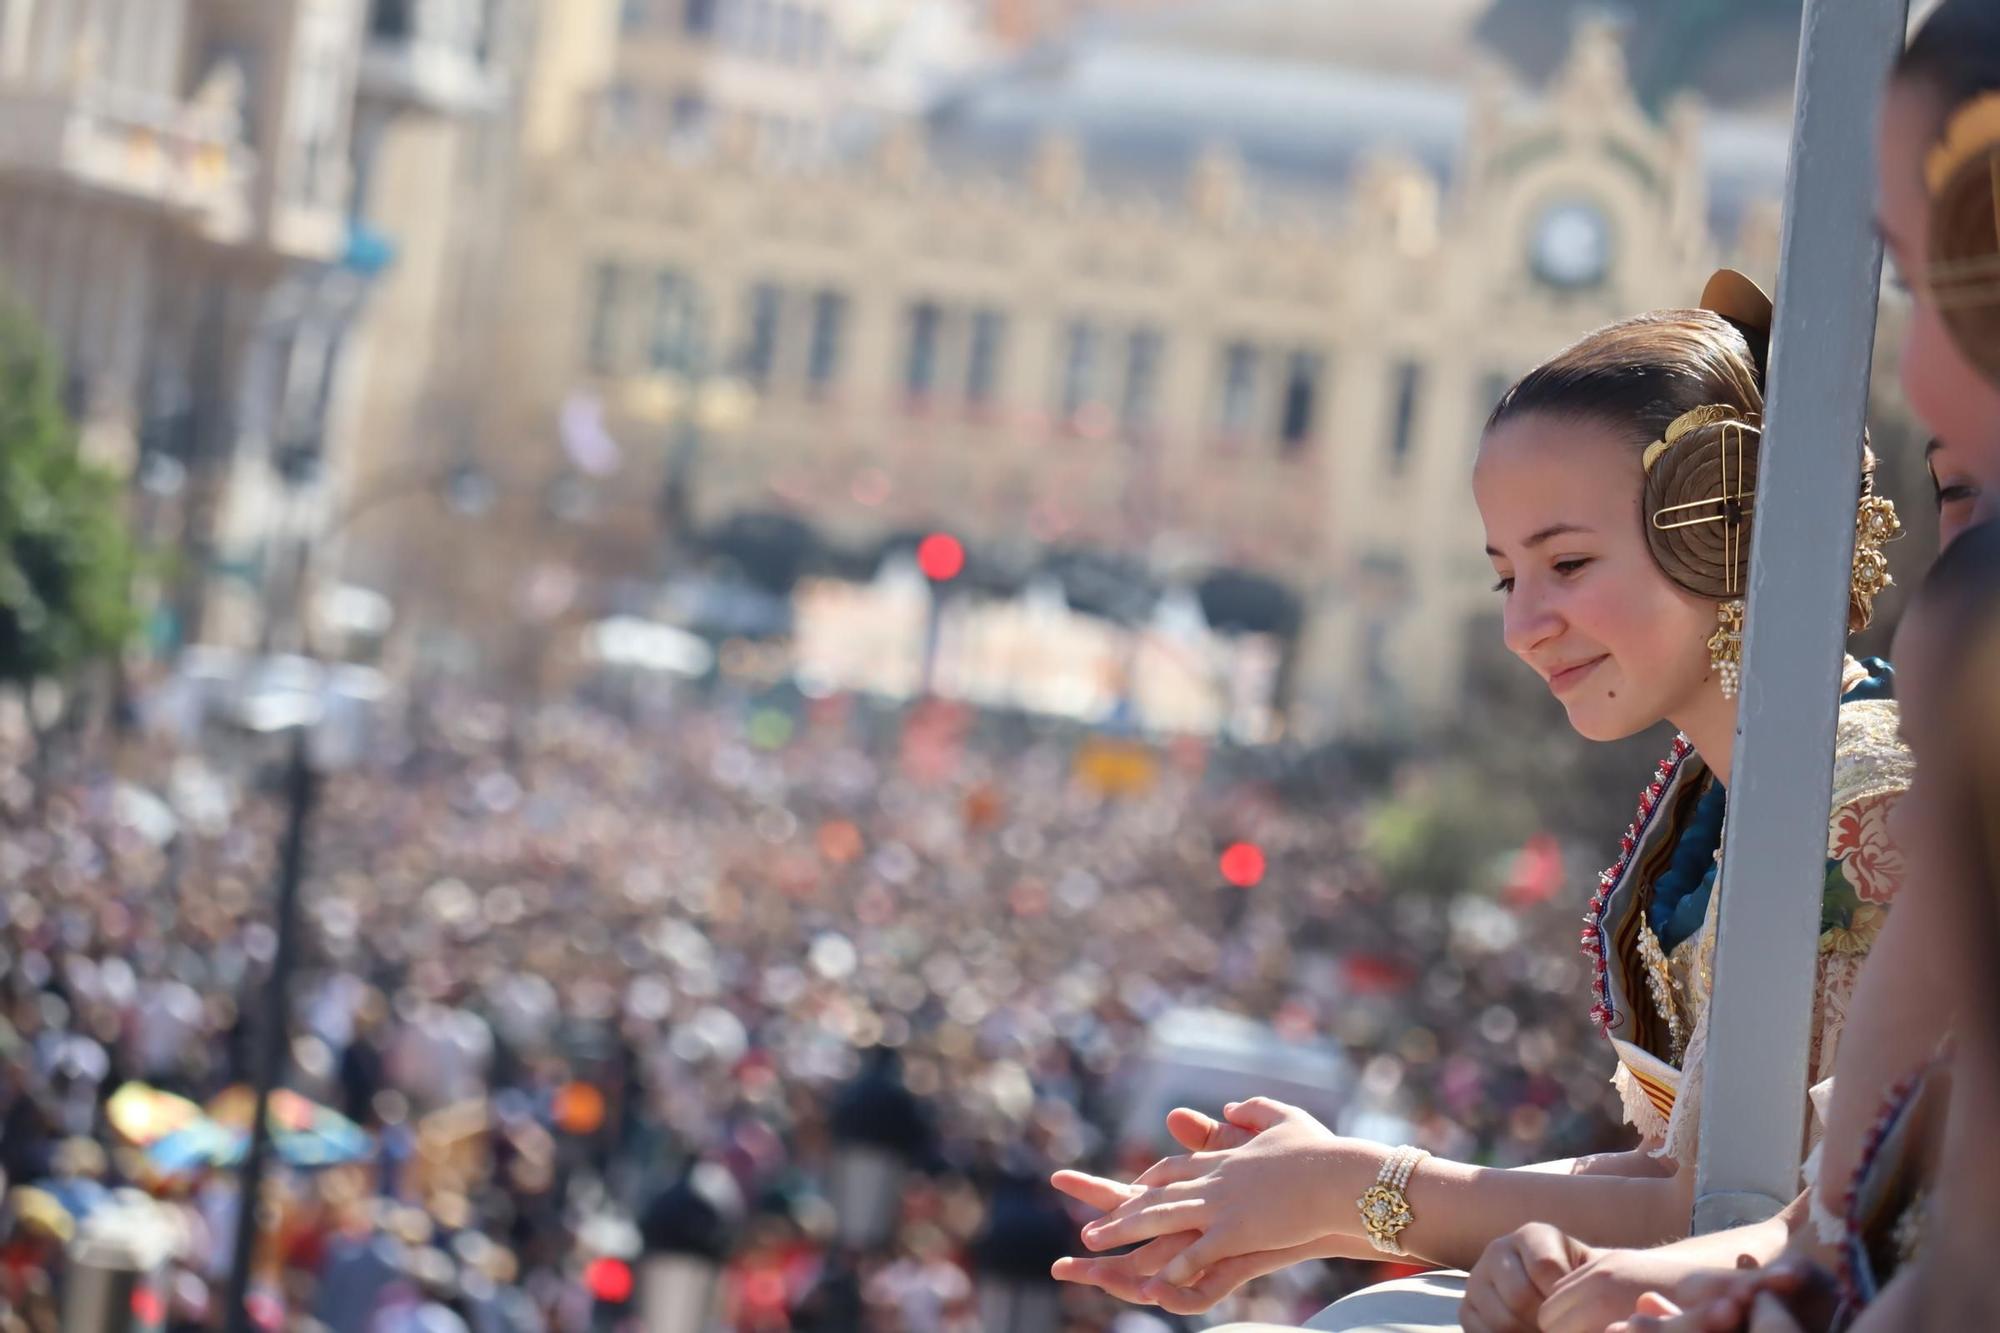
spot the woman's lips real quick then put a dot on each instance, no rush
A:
(1562, 682)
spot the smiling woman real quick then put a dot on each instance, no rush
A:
(1617, 485)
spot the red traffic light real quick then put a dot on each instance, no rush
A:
(941, 557)
(609, 1280)
(1243, 865)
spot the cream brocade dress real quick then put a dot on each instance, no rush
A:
(1654, 1005)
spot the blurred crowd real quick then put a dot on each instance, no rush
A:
(553, 957)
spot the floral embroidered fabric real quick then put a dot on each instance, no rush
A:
(1653, 1002)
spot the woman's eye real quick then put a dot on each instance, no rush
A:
(1506, 584)
(1958, 494)
(1569, 567)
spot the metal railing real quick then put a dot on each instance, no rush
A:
(1781, 779)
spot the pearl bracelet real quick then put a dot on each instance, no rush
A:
(1385, 1209)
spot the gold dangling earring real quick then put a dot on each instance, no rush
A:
(1725, 646)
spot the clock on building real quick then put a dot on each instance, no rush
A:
(1571, 244)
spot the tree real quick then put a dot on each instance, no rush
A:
(66, 561)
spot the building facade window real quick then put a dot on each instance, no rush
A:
(606, 286)
(759, 20)
(760, 351)
(690, 113)
(698, 17)
(920, 364)
(1298, 411)
(982, 360)
(393, 20)
(1080, 369)
(1409, 383)
(634, 15)
(1144, 351)
(621, 110)
(1238, 411)
(486, 33)
(677, 333)
(318, 107)
(829, 322)
(814, 38)
(791, 33)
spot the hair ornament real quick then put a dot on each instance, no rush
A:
(1693, 419)
(1973, 131)
(1732, 295)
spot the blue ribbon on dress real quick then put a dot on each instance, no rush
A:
(1680, 896)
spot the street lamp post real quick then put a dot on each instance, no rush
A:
(319, 731)
(301, 787)
(316, 721)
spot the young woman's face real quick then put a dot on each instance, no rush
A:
(1961, 492)
(1585, 604)
(1954, 399)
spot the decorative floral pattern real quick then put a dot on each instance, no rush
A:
(1857, 936)
(1860, 878)
(1860, 841)
(1863, 871)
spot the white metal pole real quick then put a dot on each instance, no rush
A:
(1754, 1104)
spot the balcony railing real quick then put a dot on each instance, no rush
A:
(156, 150)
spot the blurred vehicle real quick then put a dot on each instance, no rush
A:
(1206, 1058)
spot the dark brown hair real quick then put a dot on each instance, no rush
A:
(1637, 377)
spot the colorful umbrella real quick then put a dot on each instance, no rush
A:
(205, 1143)
(303, 1133)
(143, 1115)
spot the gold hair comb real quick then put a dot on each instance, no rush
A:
(1736, 496)
(1692, 419)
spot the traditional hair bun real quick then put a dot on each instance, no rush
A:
(1701, 488)
(1700, 484)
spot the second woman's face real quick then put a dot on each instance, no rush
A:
(1586, 605)
(1958, 403)
(1961, 491)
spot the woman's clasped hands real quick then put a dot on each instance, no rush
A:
(1259, 1190)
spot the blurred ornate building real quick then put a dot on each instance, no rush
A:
(1193, 306)
(182, 204)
